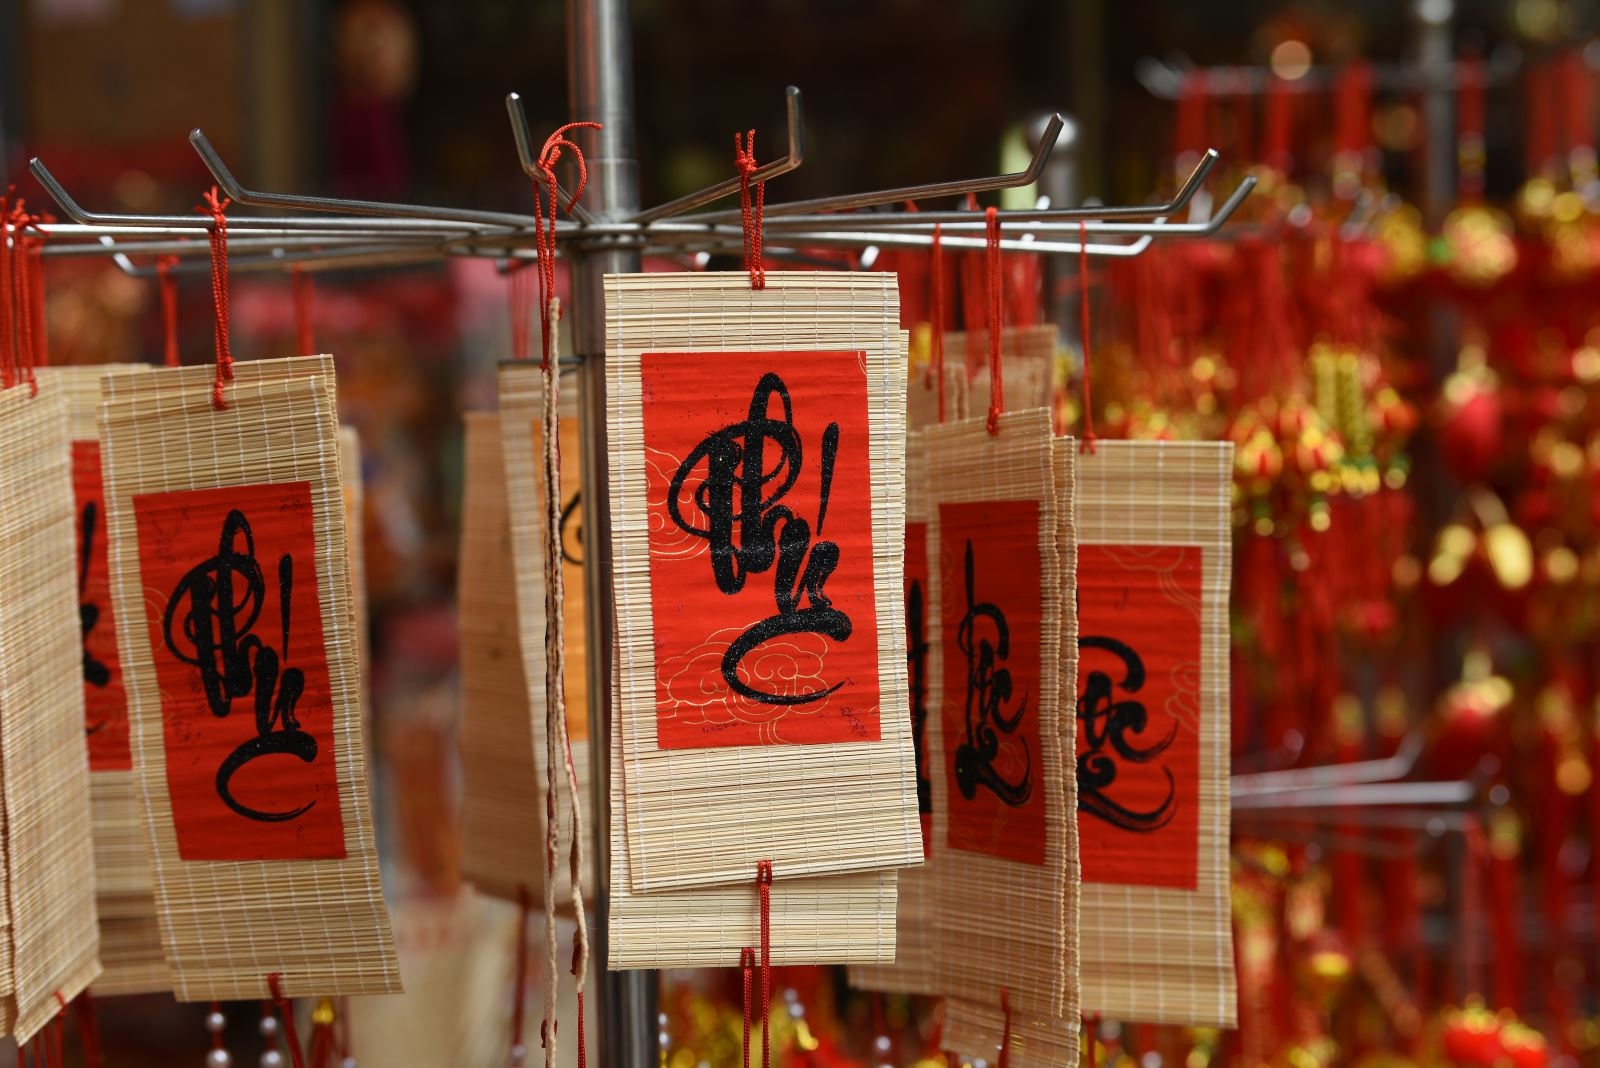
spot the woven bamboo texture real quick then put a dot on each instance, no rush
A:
(922, 395)
(52, 944)
(697, 817)
(1149, 953)
(501, 764)
(321, 924)
(1028, 354)
(977, 1031)
(827, 919)
(998, 922)
(130, 946)
(913, 969)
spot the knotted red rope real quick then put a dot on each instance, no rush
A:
(169, 308)
(301, 290)
(286, 1010)
(747, 964)
(216, 204)
(764, 889)
(1004, 1058)
(744, 157)
(1083, 326)
(545, 236)
(936, 314)
(996, 318)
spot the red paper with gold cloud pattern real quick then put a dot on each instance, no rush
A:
(992, 613)
(758, 641)
(1138, 727)
(236, 633)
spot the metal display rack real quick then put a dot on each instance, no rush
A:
(607, 234)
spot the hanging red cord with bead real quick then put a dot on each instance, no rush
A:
(286, 1011)
(216, 205)
(764, 892)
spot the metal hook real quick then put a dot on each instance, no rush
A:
(795, 115)
(958, 219)
(848, 201)
(530, 161)
(375, 208)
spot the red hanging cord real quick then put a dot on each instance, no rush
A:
(764, 889)
(750, 213)
(34, 247)
(936, 314)
(1004, 1057)
(168, 284)
(544, 235)
(996, 318)
(8, 348)
(747, 964)
(1083, 327)
(519, 1051)
(22, 297)
(89, 1030)
(286, 1010)
(216, 205)
(300, 288)
(519, 290)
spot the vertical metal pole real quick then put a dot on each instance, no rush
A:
(600, 73)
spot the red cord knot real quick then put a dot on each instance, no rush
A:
(216, 205)
(750, 209)
(544, 224)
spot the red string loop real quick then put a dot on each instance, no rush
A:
(169, 308)
(216, 205)
(936, 314)
(1083, 327)
(302, 292)
(744, 157)
(286, 1010)
(764, 889)
(544, 226)
(996, 319)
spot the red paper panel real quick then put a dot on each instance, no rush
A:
(1139, 714)
(105, 702)
(236, 632)
(917, 667)
(991, 614)
(761, 578)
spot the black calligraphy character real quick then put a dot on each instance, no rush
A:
(988, 689)
(224, 597)
(750, 533)
(95, 673)
(571, 518)
(1107, 721)
(917, 665)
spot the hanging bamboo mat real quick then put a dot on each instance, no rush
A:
(1164, 954)
(826, 919)
(321, 924)
(502, 804)
(1003, 919)
(354, 492)
(131, 956)
(1028, 354)
(922, 395)
(913, 968)
(53, 942)
(812, 809)
(977, 1031)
